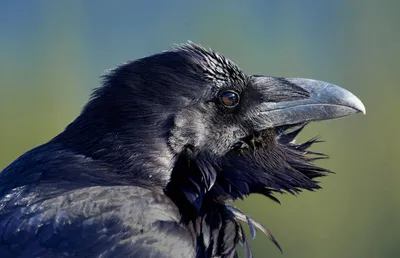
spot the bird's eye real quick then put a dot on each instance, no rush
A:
(229, 98)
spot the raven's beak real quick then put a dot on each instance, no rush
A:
(297, 100)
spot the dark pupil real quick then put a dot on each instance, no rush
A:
(229, 98)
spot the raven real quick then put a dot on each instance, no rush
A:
(149, 167)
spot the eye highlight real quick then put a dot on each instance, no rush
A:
(229, 98)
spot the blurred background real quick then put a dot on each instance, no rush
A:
(52, 54)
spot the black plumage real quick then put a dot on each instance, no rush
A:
(150, 165)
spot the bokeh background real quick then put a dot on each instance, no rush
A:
(52, 54)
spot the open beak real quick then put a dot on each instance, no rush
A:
(289, 101)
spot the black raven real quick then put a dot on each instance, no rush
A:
(150, 165)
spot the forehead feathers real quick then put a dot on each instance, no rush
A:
(215, 66)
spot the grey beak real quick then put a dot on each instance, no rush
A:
(323, 101)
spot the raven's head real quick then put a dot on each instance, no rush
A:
(190, 120)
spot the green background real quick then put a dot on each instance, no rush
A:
(52, 54)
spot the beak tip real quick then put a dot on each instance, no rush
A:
(356, 104)
(362, 109)
(359, 106)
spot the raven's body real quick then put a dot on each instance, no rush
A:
(148, 167)
(83, 215)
